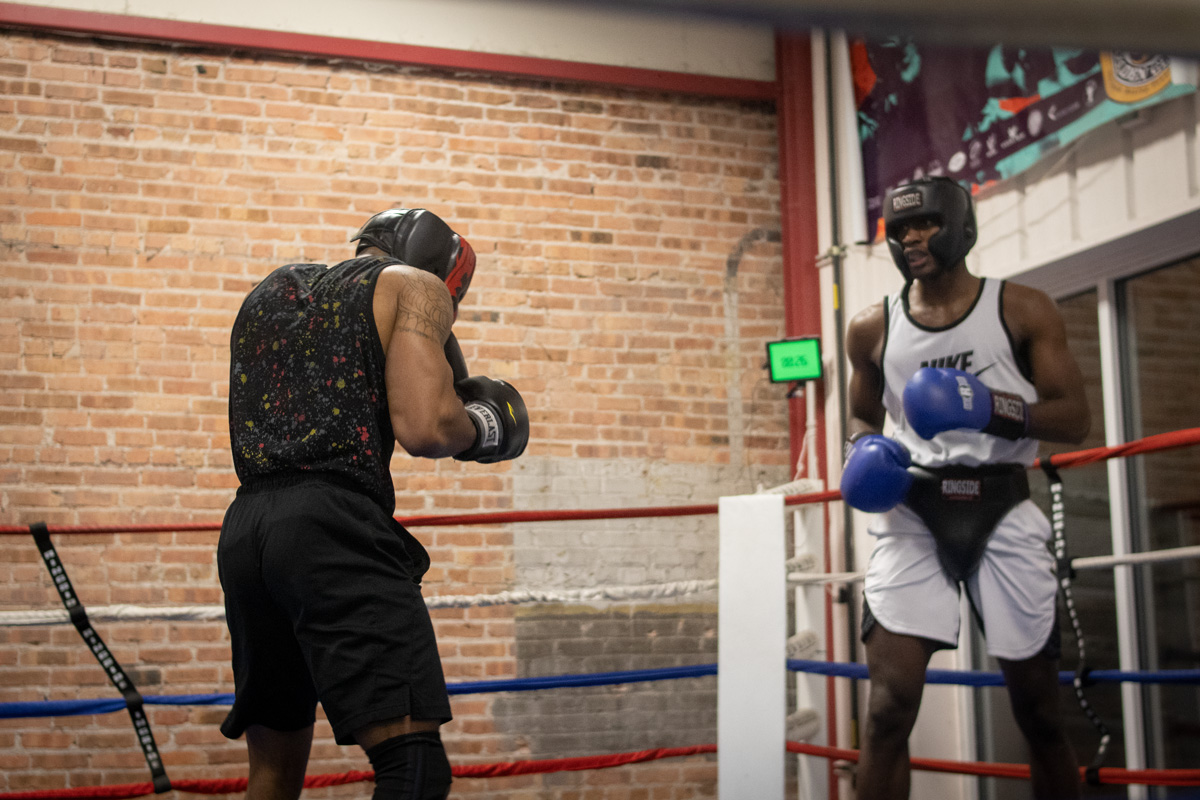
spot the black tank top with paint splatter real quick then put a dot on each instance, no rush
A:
(306, 390)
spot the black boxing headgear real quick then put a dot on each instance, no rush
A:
(942, 199)
(421, 239)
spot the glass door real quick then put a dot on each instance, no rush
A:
(1158, 318)
(1160, 324)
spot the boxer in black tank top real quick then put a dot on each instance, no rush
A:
(330, 368)
(307, 390)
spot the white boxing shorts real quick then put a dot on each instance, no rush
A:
(1014, 590)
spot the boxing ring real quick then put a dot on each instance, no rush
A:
(758, 648)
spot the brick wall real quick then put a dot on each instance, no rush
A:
(146, 189)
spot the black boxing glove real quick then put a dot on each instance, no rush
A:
(454, 357)
(501, 421)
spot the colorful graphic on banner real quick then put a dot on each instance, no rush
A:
(980, 115)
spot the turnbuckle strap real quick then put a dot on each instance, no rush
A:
(1058, 526)
(79, 618)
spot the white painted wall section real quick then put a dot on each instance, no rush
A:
(1127, 176)
(566, 31)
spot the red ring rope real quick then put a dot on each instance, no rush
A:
(1150, 444)
(1107, 775)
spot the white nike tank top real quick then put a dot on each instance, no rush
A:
(978, 343)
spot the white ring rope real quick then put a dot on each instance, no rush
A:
(1090, 562)
(810, 578)
(652, 591)
(1099, 562)
(127, 613)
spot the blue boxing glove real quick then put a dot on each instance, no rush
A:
(937, 399)
(875, 477)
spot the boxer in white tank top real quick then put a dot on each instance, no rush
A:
(968, 374)
(978, 343)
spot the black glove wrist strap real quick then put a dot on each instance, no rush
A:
(1010, 416)
(487, 430)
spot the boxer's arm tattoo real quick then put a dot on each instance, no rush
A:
(424, 309)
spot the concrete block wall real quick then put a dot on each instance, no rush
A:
(145, 190)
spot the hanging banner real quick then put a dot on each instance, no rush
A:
(983, 115)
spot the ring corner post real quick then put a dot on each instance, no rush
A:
(751, 648)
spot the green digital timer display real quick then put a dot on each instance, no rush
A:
(794, 360)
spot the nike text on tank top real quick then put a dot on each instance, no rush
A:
(306, 389)
(978, 343)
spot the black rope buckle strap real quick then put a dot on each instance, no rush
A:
(79, 618)
(1058, 525)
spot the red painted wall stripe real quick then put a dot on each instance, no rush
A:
(203, 34)
(797, 178)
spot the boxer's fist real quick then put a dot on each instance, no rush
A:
(875, 477)
(937, 399)
(501, 421)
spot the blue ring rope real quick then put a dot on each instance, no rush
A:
(67, 708)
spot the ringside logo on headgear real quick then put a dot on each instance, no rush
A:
(421, 239)
(941, 199)
(903, 202)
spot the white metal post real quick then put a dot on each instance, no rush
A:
(1122, 536)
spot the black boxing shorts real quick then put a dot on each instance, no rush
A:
(323, 602)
